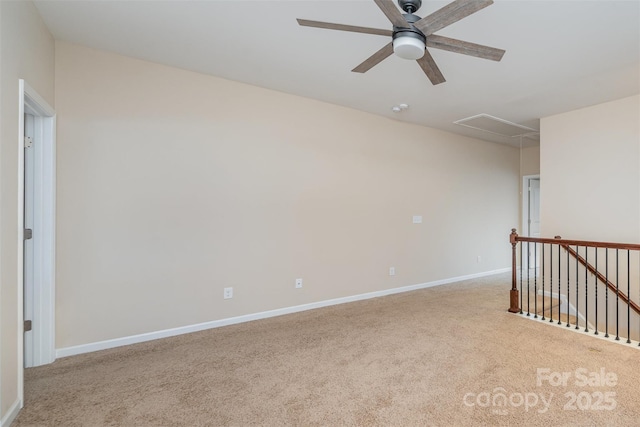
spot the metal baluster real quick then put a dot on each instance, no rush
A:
(577, 299)
(528, 270)
(617, 297)
(628, 297)
(586, 290)
(543, 295)
(551, 282)
(596, 285)
(535, 279)
(568, 287)
(606, 293)
(559, 284)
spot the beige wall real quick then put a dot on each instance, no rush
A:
(530, 161)
(27, 51)
(173, 185)
(590, 190)
(590, 168)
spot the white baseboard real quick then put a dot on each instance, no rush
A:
(11, 414)
(135, 339)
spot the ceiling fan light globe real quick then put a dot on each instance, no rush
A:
(408, 47)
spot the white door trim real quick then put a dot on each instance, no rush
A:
(524, 263)
(44, 247)
(525, 203)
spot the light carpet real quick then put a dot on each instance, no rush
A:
(443, 356)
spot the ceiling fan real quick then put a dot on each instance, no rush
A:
(411, 34)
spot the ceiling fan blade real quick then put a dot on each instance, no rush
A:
(341, 27)
(375, 59)
(393, 13)
(465, 48)
(430, 68)
(453, 12)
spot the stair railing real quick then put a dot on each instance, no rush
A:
(575, 273)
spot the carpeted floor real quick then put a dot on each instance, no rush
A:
(443, 356)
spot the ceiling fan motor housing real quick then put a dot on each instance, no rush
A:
(410, 31)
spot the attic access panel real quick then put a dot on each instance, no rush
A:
(487, 123)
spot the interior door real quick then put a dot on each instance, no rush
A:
(533, 221)
(534, 207)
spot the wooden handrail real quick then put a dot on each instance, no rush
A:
(555, 241)
(600, 277)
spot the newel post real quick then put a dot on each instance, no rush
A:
(513, 295)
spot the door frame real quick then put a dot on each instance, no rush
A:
(525, 202)
(31, 102)
(525, 212)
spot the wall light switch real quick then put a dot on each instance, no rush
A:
(417, 219)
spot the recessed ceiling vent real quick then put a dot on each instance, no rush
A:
(487, 123)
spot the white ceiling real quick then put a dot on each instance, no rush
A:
(561, 55)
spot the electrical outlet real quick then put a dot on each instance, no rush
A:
(392, 271)
(479, 260)
(298, 283)
(228, 293)
(417, 219)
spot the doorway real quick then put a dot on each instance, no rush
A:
(36, 231)
(531, 219)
